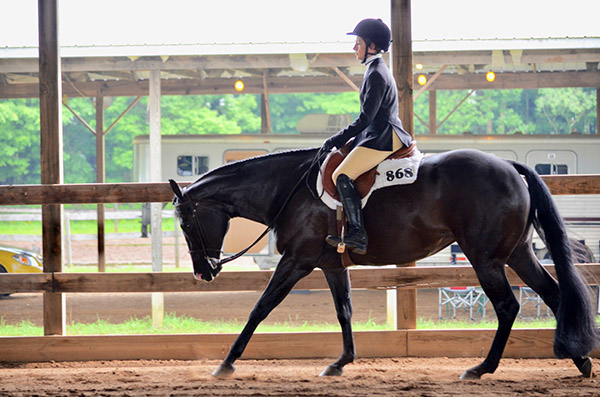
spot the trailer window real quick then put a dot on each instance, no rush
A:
(191, 165)
(551, 169)
(201, 165)
(184, 165)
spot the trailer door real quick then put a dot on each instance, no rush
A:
(242, 232)
(552, 162)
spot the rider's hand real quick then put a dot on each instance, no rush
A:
(331, 142)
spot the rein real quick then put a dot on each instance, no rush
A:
(216, 265)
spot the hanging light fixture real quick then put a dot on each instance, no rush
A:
(239, 86)
(490, 76)
(422, 79)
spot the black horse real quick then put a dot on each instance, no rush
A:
(466, 196)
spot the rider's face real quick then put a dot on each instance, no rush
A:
(360, 48)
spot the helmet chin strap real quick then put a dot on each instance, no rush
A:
(368, 51)
(367, 54)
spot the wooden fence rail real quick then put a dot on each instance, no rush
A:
(161, 192)
(362, 278)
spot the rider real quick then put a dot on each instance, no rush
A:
(377, 131)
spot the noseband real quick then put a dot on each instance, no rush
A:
(215, 264)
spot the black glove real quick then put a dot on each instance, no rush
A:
(331, 142)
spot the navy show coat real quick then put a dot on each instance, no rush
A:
(378, 118)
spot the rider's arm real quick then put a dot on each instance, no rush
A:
(373, 92)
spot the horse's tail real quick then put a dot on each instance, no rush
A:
(576, 331)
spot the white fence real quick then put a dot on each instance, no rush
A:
(33, 215)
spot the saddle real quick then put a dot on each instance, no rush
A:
(365, 182)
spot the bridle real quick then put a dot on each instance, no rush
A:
(217, 264)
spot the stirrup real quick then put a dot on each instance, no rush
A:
(341, 244)
(336, 242)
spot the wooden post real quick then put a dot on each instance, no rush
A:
(155, 176)
(176, 235)
(401, 56)
(51, 157)
(100, 178)
(598, 119)
(265, 112)
(67, 238)
(433, 112)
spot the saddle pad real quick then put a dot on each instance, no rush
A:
(391, 172)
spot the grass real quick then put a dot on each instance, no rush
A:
(80, 227)
(147, 268)
(483, 324)
(173, 324)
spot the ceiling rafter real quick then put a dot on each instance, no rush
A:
(323, 72)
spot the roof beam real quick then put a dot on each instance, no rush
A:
(517, 80)
(427, 58)
(305, 84)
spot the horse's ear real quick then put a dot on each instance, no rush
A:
(176, 189)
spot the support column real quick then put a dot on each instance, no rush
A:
(433, 112)
(405, 300)
(100, 178)
(155, 176)
(598, 114)
(401, 58)
(51, 157)
(265, 112)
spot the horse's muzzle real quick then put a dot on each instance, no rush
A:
(213, 271)
(199, 277)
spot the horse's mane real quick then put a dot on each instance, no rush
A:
(296, 158)
(254, 171)
(235, 165)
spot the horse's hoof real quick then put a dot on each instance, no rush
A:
(470, 375)
(223, 371)
(332, 371)
(585, 367)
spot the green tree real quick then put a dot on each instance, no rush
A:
(483, 112)
(194, 114)
(288, 109)
(567, 109)
(79, 144)
(19, 141)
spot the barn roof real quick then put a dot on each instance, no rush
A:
(211, 68)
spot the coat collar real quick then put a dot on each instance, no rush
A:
(372, 58)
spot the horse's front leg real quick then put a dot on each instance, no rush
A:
(339, 284)
(282, 281)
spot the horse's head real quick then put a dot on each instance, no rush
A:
(204, 228)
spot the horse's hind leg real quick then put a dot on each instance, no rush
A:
(495, 284)
(339, 284)
(524, 262)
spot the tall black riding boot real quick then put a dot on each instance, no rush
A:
(356, 236)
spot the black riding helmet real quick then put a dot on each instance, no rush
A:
(373, 31)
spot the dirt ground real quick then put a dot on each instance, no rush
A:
(384, 377)
(372, 377)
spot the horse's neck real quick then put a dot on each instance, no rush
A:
(254, 189)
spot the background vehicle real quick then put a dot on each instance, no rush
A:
(17, 260)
